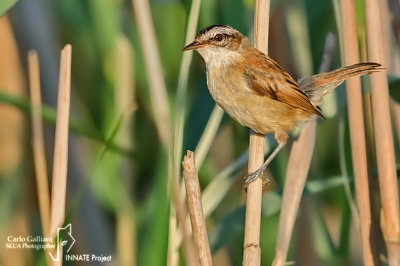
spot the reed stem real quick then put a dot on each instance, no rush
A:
(252, 250)
(296, 173)
(154, 71)
(60, 160)
(356, 124)
(39, 156)
(193, 196)
(383, 135)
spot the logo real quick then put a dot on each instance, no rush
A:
(65, 238)
(64, 241)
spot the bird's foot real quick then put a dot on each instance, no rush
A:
(251, 177)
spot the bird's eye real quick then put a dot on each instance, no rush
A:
(218, 37)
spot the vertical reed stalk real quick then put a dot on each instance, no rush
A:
(296, 174)
(252, 250)
(178, 203)
(39, 156)
(356, 123)
(154, 72)
(383, 135)
(126, 235)
(160, 106)
(60, 160)
(193, 196)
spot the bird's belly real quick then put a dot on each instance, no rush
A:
(260, 113)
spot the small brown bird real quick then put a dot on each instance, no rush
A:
(258, 93)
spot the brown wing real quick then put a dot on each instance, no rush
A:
(269, 79)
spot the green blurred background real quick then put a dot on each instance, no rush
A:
(118, 198)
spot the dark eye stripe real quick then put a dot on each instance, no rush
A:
(218, 37)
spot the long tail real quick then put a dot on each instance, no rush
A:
(317, 86)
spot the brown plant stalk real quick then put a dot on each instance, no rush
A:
(39, 156)
(356, 124)
(383, 135)
(251, 246)
(193, 196)
(181, 214)
(60, 160)
(296, 173)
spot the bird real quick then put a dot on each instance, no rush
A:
(257, 92)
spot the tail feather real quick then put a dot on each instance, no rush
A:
(317, 86)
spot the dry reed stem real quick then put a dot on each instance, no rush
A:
(181, 213)
(251, 246)
(356, 123)
(252, 250)
(296, 173)
(60, 160)
(39, 156)
(386, 24)
(193, 196)
(383, 135)
(154, 72)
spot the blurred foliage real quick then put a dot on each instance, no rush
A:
(5, 5)
(93, 27)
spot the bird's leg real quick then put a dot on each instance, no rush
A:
(281, 138)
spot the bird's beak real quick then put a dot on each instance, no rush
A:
(194, 45)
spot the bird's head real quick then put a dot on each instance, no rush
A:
(218, 41)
